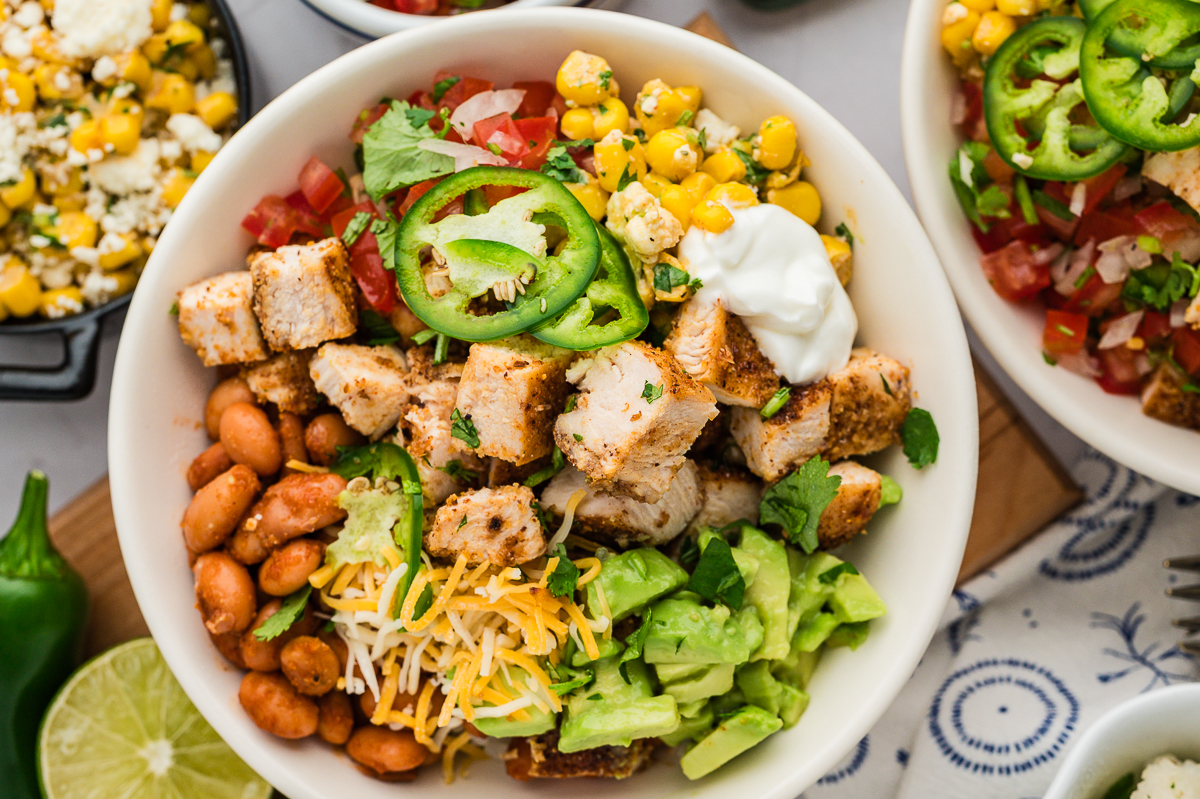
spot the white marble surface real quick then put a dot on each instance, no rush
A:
(844, 53)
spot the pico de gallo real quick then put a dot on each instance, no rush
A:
(1080, 175)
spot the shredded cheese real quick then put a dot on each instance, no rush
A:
(568, 517)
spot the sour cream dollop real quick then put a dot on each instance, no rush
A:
(771, 269)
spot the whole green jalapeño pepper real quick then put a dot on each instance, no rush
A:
(43, 607)
(504, 251)
(609, 312)
(1041, 109)
(1126, 42)
(1123, 95)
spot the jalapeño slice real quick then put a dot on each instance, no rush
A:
(1126, 42)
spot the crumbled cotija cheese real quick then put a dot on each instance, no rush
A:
(123, 174)
(94, 28)
(193, 133)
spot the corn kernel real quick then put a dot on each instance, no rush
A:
(45, 48)
(17, 93)
(122, 131)
(979, 5)
(70, 202)
(201, 159)
(134, 67)
(610, 115)
(1016, 8)
(992, 30)
(55, 82)
(220, 108)
(618, 156)
(57, 303)
(585, 79)
(20, 291)
(184, 33)
(670, 154)
(200, 15)
(177, 184)
(87, 136)
(679, 202)
(800, 198)
(724, 166)
(156, 48)
(712, 216)
(187, 68)
(205, 60)
(160, 14)
(172, 93)
(776, 142)
(126, 281)
(659, 107)
(3, 311)
(697, 185)
(593, 198)
(127, 106)
(732, 195)
(72, 185)
(839, 256)
(20, 193)
(76, 229)
(576, 124)
(956, 37)
(5, 215)
(114, 257)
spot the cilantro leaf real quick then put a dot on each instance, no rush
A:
(391, 157)
(651, 392)
(379, 330)
(973, 186)
(605, 78)
(563, 579)
(385, 231)
(442, 86)
(754, 173)
(689, 551)
(625, 179)
(463, 429)
(288, 614)
(667, 277)
(829, 576)
(419, 116)
(174, 309)
(562, 167)
(458, 472)
(920, 436)
(843, 230)
(717, 576)
(776, 402)
(633, 645)
(797, 501)
(355, 228)
(569, 679)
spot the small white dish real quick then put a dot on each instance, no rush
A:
(1115, 425)
(371, 22)
(1129, 736)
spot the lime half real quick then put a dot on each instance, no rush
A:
(122, 728)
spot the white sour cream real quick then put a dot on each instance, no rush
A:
(771, 269)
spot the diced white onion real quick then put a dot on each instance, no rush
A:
(1046, 255)
(1178, 310)
(1078, 198)
(965, 166)
(1080, 260)
(1185, 242)
(1118, 255)
(1121, 330)
(484, 105)
(1080, 363)
(958, 109)
(465, 155)
(1112, 266)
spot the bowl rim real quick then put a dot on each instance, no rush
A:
(1071, 403)
(962, 448)
(363, 19)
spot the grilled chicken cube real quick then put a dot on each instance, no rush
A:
(856, 502)
(491, 525)
(512, 390)
(1165, 399)
(1178, 171)
(714, 346)
(217, 321)
(530, 758)
(730, 495)
(871, 398)
(797, 432)
(303, 294)
(365, 383)
(621, 520)
(421, 368)
(634, 421)
(426, 421)
(285, 381)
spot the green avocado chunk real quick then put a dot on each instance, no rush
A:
(807, 594)
(712, 681)
(674, 672)
(691, 727)
(855, 600)
(797, 668)
(792, 704)
(612, 712)
(684, 631)
(540, 721)
(747, 564)
(607, 646)
(852, 635)
(769, 592)
(813, 634)
(633, 580)
(737, 733)
(759, 687)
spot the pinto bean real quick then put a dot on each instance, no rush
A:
(229, 645)
(264, 655)
(249, 438)
(245, 546)
(291, 435)
(214, 511)
(275, 706)
(287, 568)
(227, 392)
(325, 434)
(383, 752)
(207, 465)
(296, 505)
(336, 720)
(224, 593)
(310, 665)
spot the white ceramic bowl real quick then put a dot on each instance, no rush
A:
(1128, 737)
(1114, 425)
(905, 306)
(364, 19)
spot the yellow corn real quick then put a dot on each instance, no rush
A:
(172, 93)
(655, 183)
(20, 291)
(87, 136)
(156, 48)
(577, 124)
(114, 259)
(57, 303)
(160, 14)
(839, 256)
(979, 5)
(670, 154)
(126, 281)
(199, 14)
(725, 166)
(20, 193)
(127, 106)
(184, 33)
(205, 60)
(956, 36)
(122, 131)
(679, 202)
(992, 30)
(776, 142)
(659, 107)
(624, 156)
(800, 198)
(133, 67)
(1016, 8)
(732, 195)
(76, 229)
(217, 109)
(5, 215)
(187, 68)
(45, 48)
(73, 184)
(3, 311)
(201, 159)
(610, 115)
(177, 184)
(591, 196)
(697, 185)
(17, 93)
(70, 202)
(585, 79)
(56, 82)
(712, 216)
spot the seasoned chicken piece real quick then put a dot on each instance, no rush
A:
(494, 525)
(797, 432)
(871, 398)
(621, 520)
(1164, 398)
(427, 423)
(501, 472)
(639, 221)
(856, 502)
(714, 346)
(421, 369)
(634, 421)
(285, 381)
(512, 390)
(529, 758)
(1178, 171)
(303, 294)
(365, 383)
(216, 320)
(729, 495)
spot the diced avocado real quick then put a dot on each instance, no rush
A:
(690, 727)
(759, 687)
(747, 564)
(727, 702)
(713, 681)
(692, 709)
(368, 528)
(797, 668)
(808, 594)
(813, 634)
(612, 712)
(674, 672)
(684, 631)
(737, 733)
(633, 580)
(539, 721)
(890, 491)
(770, 592)
(852, 635)
(855, 600)
(607, 646)
(792, 704)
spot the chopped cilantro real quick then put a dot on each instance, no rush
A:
(379, 331)
(797, 501)
(754, 173)
(381, 459)
(460, 473)
(1160, 285)
(689, 551)
(667, 277)
(605, 79)
(651, 392)
(563, 579)
(419, 116)
(355, 228)
(717, 577)
(569, 679)
(685, 119)
(844, 231)
(463, 429)
(288, 614)
(562, 167)
(174, 309)
(887, 389)
(462, 522)
(702, 139)
(391, 157)
(542, 475)
(1056, 207)
(442, 86)
(977, 195)
(385, 231)
(577, 437)
(776, 402)
(829, 576)
(625, 179)
(328, 626)
(920, 437)
(570, 403)
(1084, 277)
(627, 144)
(634, 644)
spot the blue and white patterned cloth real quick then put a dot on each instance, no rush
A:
(1033, 651)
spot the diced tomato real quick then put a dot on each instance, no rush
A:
(539, 133)
(1119, 371)
(341, 220)
(538, 96)
(558, 107)
(1101, 226)
(1065, 332)
(1100, 186)
(365, 119)
(1012, 272)
(501, 131)
(414, 194)
(377, 284)
(320, 184)
(1093, 297)
(415, 6)
(495, 194)
(466, 88)
(1063, 229)
(997, 169)
(973, 94)
(421, 99)
(273, 221)
(998, 235)
(1155, 326)
(1187, 349)
(1002, 231)
(304, 218)
(339, 204)
(1161, 220)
